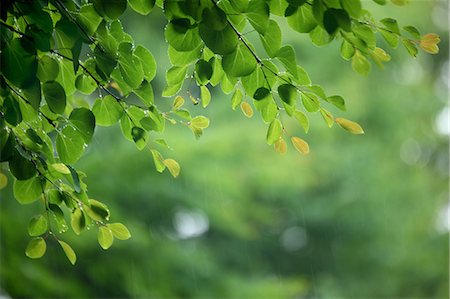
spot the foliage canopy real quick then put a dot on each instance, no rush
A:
(53, 50)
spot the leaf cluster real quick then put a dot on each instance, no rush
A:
(53, 51)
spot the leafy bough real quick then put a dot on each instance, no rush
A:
(53, 51)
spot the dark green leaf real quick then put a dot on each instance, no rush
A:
(261, 93)
(287, 93)
(55, 96)
(18, 66)
(220, 42)
(48, 68)
(204, 71)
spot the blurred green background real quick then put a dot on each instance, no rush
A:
(360, 217)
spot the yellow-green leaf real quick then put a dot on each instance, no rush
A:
(274, 131)
(280, 146)
(36, 248)
(205, 96)
(428, 43)
(37, 226)
(349, 125)
(327, 116)
(200, 122)
(173, 167)
(300, 145)
(119, 231)
(178, 103)
(61, 168)
(3, 181)
(68, 251)
(105, 237)
(158, 160)
(247, 109)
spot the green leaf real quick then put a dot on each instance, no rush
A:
(48, 68)
(148, 62)
(176, 75)
(119, 231)
(130, 66)
(97, 210)
(145, 93)
(143, 7)
(107, 111)
(389, 37)
(287, 57)
(302, 120)
(310, 102)
(366, 34)
(337, 101)
(302, 20)
(205, 96)
(27, 191)
(360, 64)
(66, 77)
(327, 116)
(178, 58)
(18, 65)
(173, 167)
(182, 41)
(240, 62)
(220, 42)
(413, 31)
(274, 132)
(347, 50)
(84, 121)
(271, 39)
(69, 145)
(37, 226)
(105, 237)
(391, 25)
(410, 47)
(85, 84)
(77, 221)
(36, 248)
(258, 15)
(349, 125)
(236, 99)
(55, 96)
(158, 160)
(68, 251)
(139, 137)
(353, 7)
(287, 93)
(319, 36)
(75, 179)
(88, 18)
